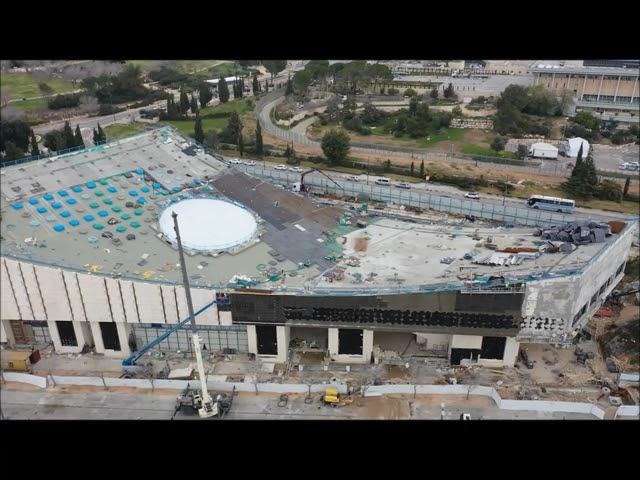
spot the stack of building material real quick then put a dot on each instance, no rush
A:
(578, 233)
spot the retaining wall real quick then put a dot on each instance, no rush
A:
(25, 378)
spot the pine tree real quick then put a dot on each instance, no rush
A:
(194, 105)
(184, 102)
(11, 151)
(627, 184)
(578, 165)
(204, 94)
(223, 90)
(240, 144)
(96, 137)
(259, 145)
(422, 168)
(35, 151)
(198, 133)
(234, 129)
(69, 138)
(256, 85)
(289, 89)
(412, 168)
(78, 141)
(266, 85)
(101, 134)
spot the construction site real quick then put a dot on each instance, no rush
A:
(302, 286)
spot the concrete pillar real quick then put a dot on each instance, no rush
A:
(333, 341)
(615, 97)
(367, 345)
(252, 339)
(600, 88)
(511, 349)
(282, 337)
(6, 334)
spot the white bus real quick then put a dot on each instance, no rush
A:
(551, 203)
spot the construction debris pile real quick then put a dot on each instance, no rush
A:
(578, 233)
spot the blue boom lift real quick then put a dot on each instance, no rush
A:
(131, 360)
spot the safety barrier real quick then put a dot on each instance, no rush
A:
(25, 378)
(627, 411)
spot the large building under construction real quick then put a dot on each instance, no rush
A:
(89, 261)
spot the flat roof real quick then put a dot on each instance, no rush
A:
(63, 212)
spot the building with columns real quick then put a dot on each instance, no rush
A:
(610, 92)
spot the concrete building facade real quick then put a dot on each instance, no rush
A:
(611, 92)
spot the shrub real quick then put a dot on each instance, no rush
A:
(64, 101)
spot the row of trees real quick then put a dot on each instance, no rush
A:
(584, 182)
(126, 86)
(588, 126)
(16, 139)
(57, 140)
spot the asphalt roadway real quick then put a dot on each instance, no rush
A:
(54, 404)
(263, 169)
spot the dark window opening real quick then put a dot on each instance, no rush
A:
(267, 340)
(493, 347)
(458, 354)
(110, 337)
(349, 342)
(67, 333)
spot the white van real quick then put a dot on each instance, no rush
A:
(383, 181)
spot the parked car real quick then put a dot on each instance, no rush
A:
(403, 185)
(235, 161)
(251, 163)
(296, 169)
(472, 195)
(383, 181)
(353, 178)
(281, 167)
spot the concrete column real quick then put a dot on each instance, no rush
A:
(617, 86)
(367, 345)
(252, 339)
(333, 342)
(584, 84)
(282, 337)
(123, 337)
(600, 88)
(511, 349)
(97, 337)
(6, 333)
(633, 93)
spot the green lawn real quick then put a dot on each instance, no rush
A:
(486, 152)
(186, 66)
(23, 85)
(186, 126)
(449, 134)
(30, 105)
(119, 131)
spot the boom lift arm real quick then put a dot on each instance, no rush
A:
(302, 186)
(131, 360)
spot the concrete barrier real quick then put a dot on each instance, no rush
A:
(127, 382)
(60, 380)
(627, 411)
(25, 378)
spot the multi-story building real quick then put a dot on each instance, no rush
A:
(611, 92)
(88, 262)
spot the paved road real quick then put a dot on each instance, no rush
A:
(428, 192)
(53, 404)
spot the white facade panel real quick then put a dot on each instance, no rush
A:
(149, 303)
(94, 294)
(8, 306)
(117, 309)
(35, 297)
(20, 290)
(130, 308)
(77, 304)
(170, 307)
(53, 293)
(466, 341)
(202, 297)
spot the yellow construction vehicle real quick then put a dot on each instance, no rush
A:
(332, 397)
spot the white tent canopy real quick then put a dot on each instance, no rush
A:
(574, 147)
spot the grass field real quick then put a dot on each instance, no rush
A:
(186, 66)
(119, 131)
(186, 127)
(485, 151)
(448, 134)
(23, 85)
(30, 105)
